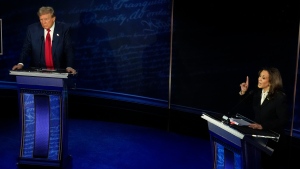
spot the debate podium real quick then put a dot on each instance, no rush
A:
(43, 108)
(234, 146)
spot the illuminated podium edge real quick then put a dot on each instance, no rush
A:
(39, 74)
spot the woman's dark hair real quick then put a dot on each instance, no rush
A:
(274, 79)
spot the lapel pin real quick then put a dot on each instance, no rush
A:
(57, 34)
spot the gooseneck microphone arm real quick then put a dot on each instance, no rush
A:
(241, 101)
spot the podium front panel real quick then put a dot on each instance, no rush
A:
(227, 149)
(41, 123)
(231, 148)
(43, 115)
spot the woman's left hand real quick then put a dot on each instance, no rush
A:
(255, 126)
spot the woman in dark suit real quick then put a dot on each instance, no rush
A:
(270, 108)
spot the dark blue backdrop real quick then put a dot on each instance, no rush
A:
(217, 44)
(126, 49)
(121, 46)
(1, 47)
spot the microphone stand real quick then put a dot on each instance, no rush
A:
(241, 101)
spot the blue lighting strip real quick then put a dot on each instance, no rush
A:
(42, 115)
(28, 125)
(55, 127)
(42, 125)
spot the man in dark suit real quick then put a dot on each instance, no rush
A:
(34, 44)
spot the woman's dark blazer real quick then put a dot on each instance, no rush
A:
(273, 112)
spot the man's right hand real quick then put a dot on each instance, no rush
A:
(17, 67)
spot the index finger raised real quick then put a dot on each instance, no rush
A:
(247, 81)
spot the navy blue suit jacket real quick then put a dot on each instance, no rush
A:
(32, 54)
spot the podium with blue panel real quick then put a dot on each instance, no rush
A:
(43, 110)
(237, 146)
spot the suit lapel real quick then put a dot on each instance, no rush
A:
(266, 101)
(41, 36)
(56, 38)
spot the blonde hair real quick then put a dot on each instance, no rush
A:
(46, 10)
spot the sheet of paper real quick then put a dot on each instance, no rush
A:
(239, 122)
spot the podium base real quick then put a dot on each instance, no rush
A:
(44, 164)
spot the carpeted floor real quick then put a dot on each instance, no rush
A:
(124, 140)
(95, 144)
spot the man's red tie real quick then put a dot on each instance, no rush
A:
(48, 51)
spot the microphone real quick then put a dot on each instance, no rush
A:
(241, 101)
(41, 54)
(225, 120)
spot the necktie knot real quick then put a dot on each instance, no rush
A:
(48, 30)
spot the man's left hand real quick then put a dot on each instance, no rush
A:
(71, 70)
